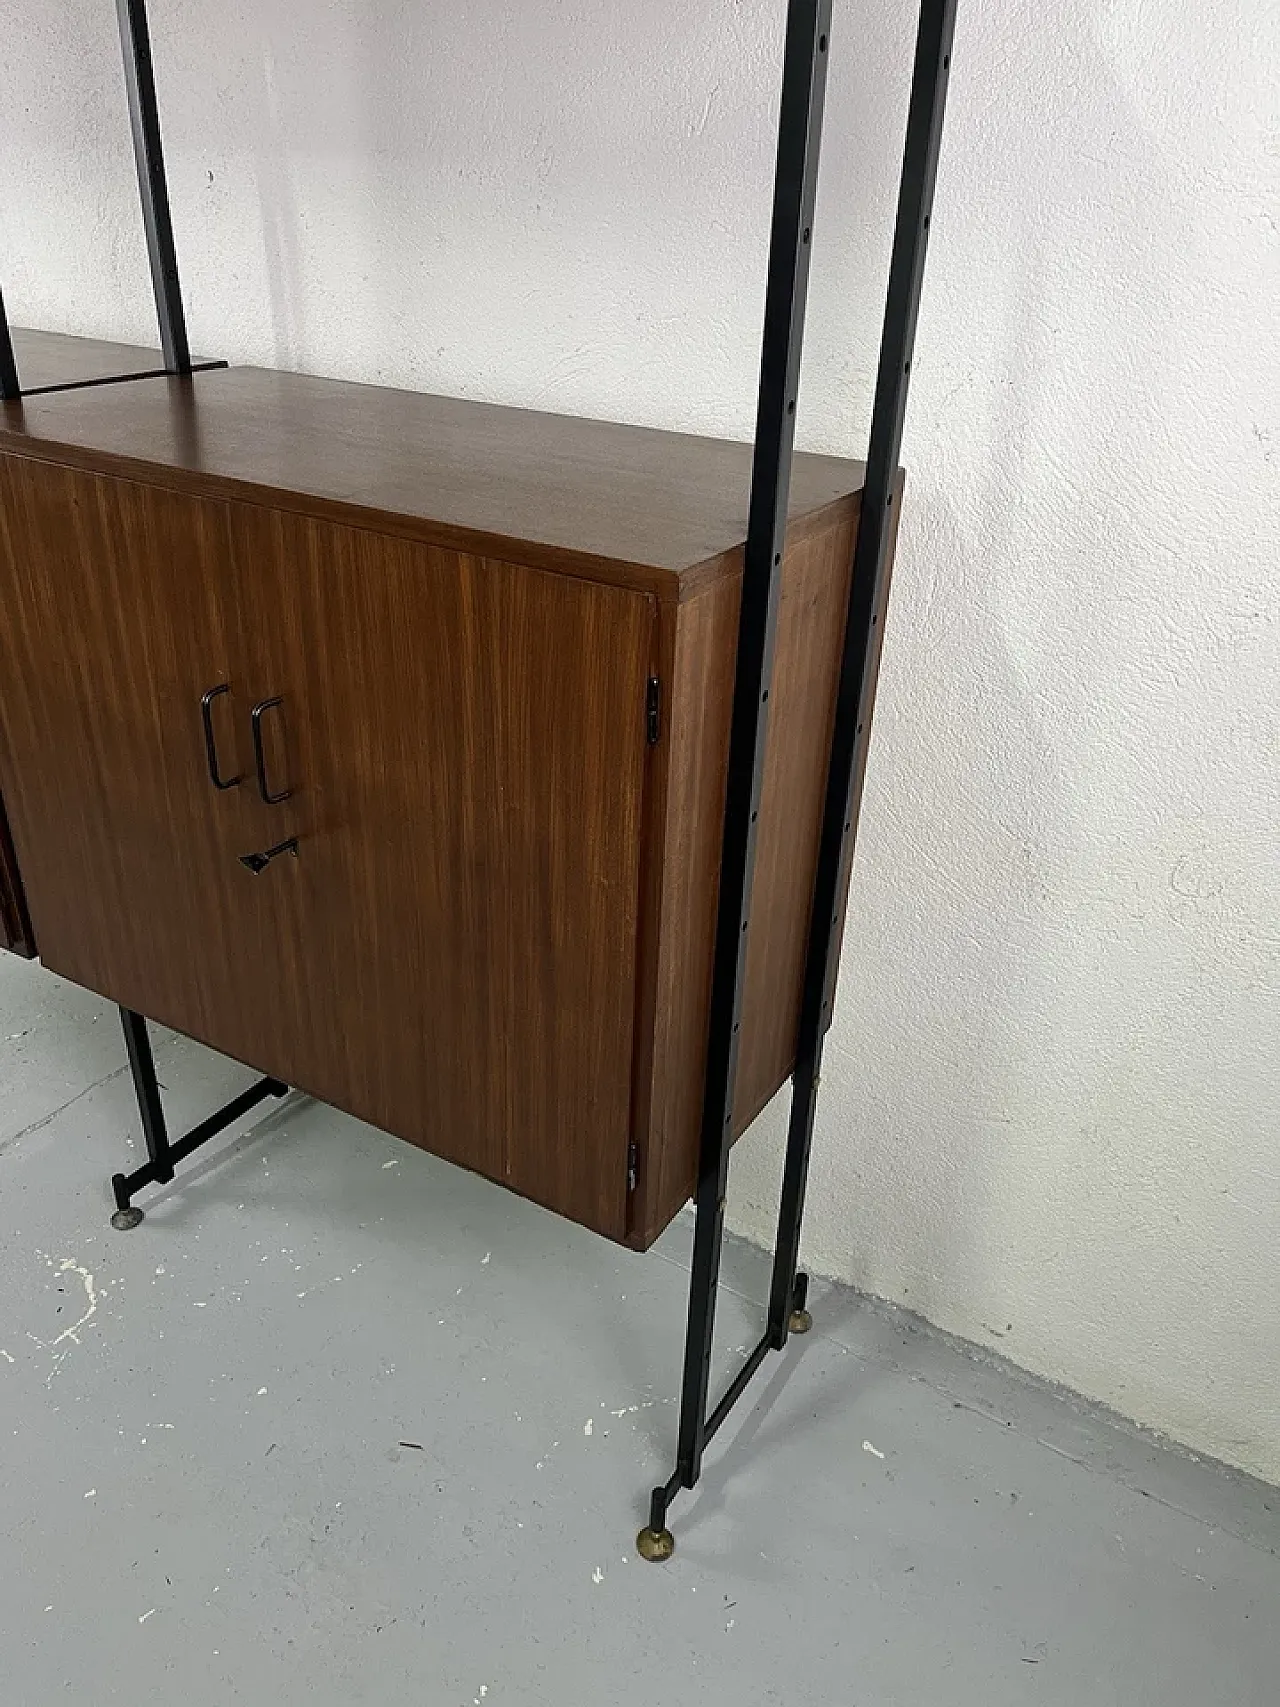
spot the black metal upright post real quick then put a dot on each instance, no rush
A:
(10, 390)
(139, 77)
(867, 600)
(799, 133)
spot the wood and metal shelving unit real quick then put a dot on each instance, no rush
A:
(670, 1017)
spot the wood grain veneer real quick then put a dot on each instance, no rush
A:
(659, 511)
(452, 953)
(815, 591)
(496, 939)
(465, 739)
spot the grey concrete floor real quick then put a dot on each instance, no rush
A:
(340, 1424)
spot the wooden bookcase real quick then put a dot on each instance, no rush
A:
(492, 775)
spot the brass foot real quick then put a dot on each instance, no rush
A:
(656, 1545)
(799, 1321)
(125, 1219)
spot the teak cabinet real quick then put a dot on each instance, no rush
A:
(465, 675)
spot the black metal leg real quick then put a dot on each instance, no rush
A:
(799, 135)
(144, 118)
(10, 390)
(143, 1066)
(162, 1156)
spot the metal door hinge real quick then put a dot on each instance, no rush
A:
(633, 1164)
(653, 710)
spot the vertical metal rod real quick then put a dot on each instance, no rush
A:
(145, 1083)
(144, 119)
(799, 135)
(865, 619)
(10, 390)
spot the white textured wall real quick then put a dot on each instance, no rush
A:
(1052, 1107)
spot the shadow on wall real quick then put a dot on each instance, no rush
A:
(559, 210)
(278, 212)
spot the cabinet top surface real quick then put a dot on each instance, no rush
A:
(477, 476)
(49, 361)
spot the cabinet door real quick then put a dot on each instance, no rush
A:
(113, 599)
(465, 745)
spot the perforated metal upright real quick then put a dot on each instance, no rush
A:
(799, 137)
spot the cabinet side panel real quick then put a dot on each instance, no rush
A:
(811, 616)
(806, 672)
(15, 926)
